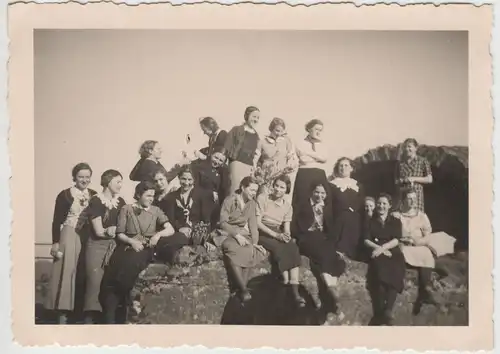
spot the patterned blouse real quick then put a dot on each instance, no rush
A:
(416, 167)
(318, 216)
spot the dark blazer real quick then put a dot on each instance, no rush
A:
(144, 170)
(64, 200)
(303, 218)
(215, 144)
(210, 180)
(200, 210)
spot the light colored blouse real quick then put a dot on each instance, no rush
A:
(305, 148)
(318, 216)
(274, 212)
(80, 203)
(415, 226)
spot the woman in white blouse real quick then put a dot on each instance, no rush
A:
(313, 157)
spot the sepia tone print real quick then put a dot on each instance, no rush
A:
(271, 202)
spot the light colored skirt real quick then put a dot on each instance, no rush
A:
(62, 290)
(238, 171)
(422, 256)
(94, 269)
(242, 256)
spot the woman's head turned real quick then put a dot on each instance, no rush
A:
(112, 180)
(150, 149)
(209, 125)
(248, 187)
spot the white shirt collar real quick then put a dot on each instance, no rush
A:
(345, 183)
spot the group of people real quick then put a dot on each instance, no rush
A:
(235, 196)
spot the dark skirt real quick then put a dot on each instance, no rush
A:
(321, 251)
(388, 271)
(285, 255)
(125, 264)
(347, 230)
(306, 177)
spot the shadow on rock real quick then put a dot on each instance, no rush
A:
(271, 304)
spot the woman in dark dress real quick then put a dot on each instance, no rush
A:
(313, 229)
(216, 138)
(347, 204)
(70, 231)
(241, 148)
(138, 239)
(212, 176)
(103, 215)
(386, 268)
(313, 158)
(274, 215)
(150, 152)
(189, 209)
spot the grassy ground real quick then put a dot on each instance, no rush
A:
(199, 295)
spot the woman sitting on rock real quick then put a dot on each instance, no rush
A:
(189, 209)
(419, 248)
(241, 250)
(313, 229)
(386, 268)
(138, 239)
(274, 214)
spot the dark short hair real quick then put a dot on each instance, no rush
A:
(209, 123)
(285, 179)
(312, 123)
(143, 187)
(337, 164)
(410, 141)
(108, 175)
(386, 196)
(146, 147)
(80, 167)
(249, 111)
(160, 170)
(275, 123)
(315, 185)
(185, 169)
(245, 182)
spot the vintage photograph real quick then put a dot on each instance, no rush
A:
(252, 177)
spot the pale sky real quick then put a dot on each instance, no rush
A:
(100, 94)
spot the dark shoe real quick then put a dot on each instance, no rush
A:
(244, 296)
(388, 318)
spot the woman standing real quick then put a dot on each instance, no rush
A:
(274, 215)
(313, 229)
(150, 152)
(241, 148)
(216, 138)
(241, 249)
(313, 157)
(386, 268)
(103, 215)
(347, 205)
(69, 233)
(277, 155)
(138, 240)
(413, 171)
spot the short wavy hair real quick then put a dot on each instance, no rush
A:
(80, 167)
(285, 179)
(276, 122)
(146, 148)
(312, 123)
(108, 175)
(143, 187)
